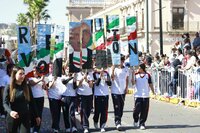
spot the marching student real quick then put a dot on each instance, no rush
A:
(69, 98)
(119, 88)
(143, 82)
(38, 85)
(54, 95)
(101, 95)
(16, 100)
(85, 84)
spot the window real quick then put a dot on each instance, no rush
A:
(178, 17)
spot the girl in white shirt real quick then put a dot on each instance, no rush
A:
(142, 83)
(85, 84)
(37, 85)
(69, 98)
(101, 95)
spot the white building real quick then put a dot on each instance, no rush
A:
(178, 17)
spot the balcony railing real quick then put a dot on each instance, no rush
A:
(98, 3)
(183, 26)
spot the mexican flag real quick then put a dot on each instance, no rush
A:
(58, 50)
(113, 36)
(101, 61)
(132, 40)
(99, 34)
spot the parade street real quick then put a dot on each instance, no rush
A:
(163, 118)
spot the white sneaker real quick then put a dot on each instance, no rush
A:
(118, 127)
(76, 113)
(71, 130)
(68, 130)
(55, 131)
(103, 130)
(31, 130)
(96, 125)
(136, 124)
(142, 127)
(74, 129)
(86, 131)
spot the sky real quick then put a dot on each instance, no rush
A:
(10, 8)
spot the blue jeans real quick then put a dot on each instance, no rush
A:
(172, 87)
(197, 90)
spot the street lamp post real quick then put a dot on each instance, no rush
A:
(161, 30)
(147, 25)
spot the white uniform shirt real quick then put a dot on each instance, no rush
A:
(119, 83)
(84, 89)
(37, 89)
(142, 85)
(70, 91)
(56, 90)
(102, 89)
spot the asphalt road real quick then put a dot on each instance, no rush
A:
(163, 118)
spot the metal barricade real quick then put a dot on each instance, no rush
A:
(155, 79)
(165, 79)
(195, 86)
(182, 84)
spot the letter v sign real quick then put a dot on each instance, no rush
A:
(26, 62)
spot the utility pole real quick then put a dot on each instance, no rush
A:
(147, 25)
(161, 30)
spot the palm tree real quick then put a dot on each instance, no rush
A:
(45, 16)
(36, 12)
(22, 19)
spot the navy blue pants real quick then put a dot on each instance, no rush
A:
(141, 110)
(101, 109)
(118, 103)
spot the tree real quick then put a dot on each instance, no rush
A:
(22, 19)
(36, 12)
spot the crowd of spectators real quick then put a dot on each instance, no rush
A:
(184, 56)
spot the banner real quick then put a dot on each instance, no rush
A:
(113, 37)
(132, 40)
(24, 49)
(74, 46)
(87, 43)
(101, 60)
(43, 48)
(58, 50)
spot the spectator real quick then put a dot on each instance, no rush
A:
(196, 41)
(173, 83)
(197, 81)
(180, 55)
(191, 60)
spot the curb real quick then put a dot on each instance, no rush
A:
(188, 103)
(172, 100)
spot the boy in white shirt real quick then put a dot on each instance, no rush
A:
(119, 89)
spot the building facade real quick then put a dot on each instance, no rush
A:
(178, 17)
